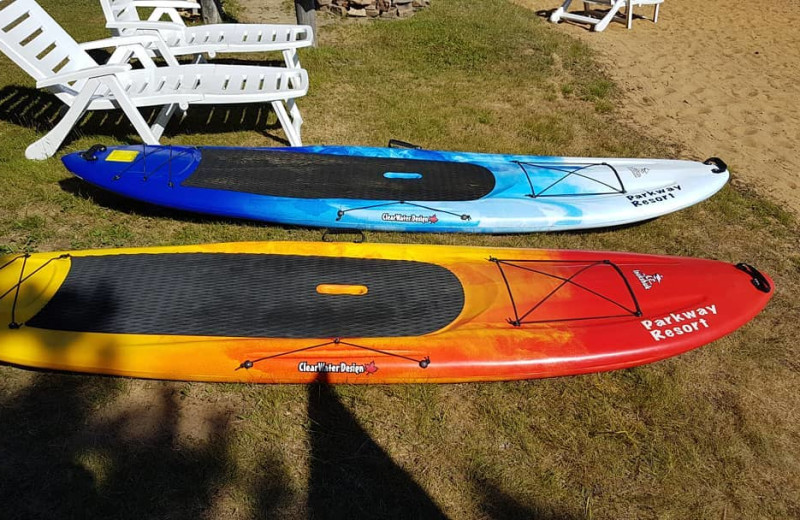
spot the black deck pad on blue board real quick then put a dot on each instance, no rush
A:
(324, 176)
(251, 295)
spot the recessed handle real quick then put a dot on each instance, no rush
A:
(402, 175)
(352, 290)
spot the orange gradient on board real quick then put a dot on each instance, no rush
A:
(526, 314)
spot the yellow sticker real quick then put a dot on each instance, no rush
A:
(122, 156)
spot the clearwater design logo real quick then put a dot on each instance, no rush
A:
(406, 217)
(647, 280)
(337, 368)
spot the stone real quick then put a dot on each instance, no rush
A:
(390, 13)
(362, 3)
(402, 2)
(358, 13)
(405, 10)
(339, 10)
(323, 3)
(372, 12)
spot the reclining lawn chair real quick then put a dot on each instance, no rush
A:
(122, 17)
(35, 42)
(605, 17)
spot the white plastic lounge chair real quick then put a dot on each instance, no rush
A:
(599, 24)
(122, 17)
(35, 42)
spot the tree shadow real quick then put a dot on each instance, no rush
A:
(351, 475)
(60, 463)
(76, 446)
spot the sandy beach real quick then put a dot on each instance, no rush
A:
(717, 78)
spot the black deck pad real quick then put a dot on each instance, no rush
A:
(251, 295)
(322, 176)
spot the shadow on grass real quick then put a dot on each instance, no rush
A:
(497, 504)
(60, 461)
(58, 464)
(112, 201)
(351, 476)
(40, 111)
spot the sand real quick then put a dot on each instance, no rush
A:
(719, 78)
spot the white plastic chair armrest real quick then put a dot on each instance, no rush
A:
(146, 25)
(119, 41)
(141, 40)
(167, 4)
(91, 72)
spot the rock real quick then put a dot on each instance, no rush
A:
(323, 3)
(383, 5)
(362, 3)
(372, 12)
(358, 13)
(402, 2)
(339, 10)
(389, 13)
(405, 10)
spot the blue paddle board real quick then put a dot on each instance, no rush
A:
(400, 189)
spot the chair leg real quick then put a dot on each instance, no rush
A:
(555, 16)
(291, 58)
(47, 145)
(655, 15)
(630, 14)
(132, 111)
(164, 115)
(297, 118)
(609, 17)
(290, 123)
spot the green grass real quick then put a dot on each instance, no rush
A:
(710, 434)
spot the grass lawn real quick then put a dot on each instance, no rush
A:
(710, 434)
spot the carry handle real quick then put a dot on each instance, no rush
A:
(397, 143)
(719, 164)
(91, 153)
(758, 280)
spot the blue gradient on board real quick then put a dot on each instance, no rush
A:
(156, 174)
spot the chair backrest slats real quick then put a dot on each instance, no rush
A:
(54, 59)
(26, 34)
(124, 10)
(120, 11)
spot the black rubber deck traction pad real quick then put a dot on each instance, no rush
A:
(324, 176)
(251, 295)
